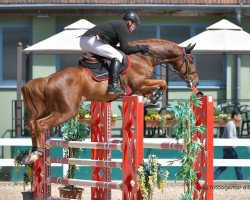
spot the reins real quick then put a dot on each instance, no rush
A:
(166, 62)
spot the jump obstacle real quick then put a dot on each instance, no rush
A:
(132, 147)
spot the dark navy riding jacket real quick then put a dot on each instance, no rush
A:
(113, 32)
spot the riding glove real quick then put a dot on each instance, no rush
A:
(143, 48)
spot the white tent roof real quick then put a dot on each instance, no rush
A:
(65, 42)
(221, 37)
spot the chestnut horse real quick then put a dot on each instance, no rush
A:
(51, 101)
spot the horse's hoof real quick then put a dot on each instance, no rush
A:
(32, 157)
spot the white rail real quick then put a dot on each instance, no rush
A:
(85, 162)
(87, 183)
(148, 143)
(217, 142)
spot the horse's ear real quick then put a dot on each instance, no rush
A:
(189, 48)
(192, 47)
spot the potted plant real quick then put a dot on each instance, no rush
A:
(73, 130)
(159, 120)
(150, 175)
(27, 175)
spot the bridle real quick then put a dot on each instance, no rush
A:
(185, 56)
(187, 76)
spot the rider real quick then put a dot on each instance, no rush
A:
(102, 40)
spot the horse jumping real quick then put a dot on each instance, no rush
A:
(53, 100)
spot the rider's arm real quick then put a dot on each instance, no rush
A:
(122, 33)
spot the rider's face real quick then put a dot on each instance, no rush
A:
(131, 26)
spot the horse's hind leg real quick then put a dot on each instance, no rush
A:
(40, 126)
(36, 137)
(37, 149)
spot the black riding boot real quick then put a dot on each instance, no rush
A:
(114, 77)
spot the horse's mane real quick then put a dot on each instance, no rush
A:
(161, 49)
(152, 42)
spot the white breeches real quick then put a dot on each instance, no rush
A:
(92, 45)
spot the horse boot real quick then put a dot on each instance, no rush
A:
(113, 87)
(35, 154)
(156, 96)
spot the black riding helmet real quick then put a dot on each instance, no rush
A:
(131, 15)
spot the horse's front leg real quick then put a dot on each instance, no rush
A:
(150, 85)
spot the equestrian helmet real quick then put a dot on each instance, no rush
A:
(131, 15)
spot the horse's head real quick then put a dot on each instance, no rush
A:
(163, 52)
(183, 63)
(188, 70)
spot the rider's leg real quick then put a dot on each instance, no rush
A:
(92, 45)
(114, 77)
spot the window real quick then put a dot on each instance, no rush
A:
(210, 67)
(10, 36)
(176, 33)
(210, 73)
(143, 32)
(69, 60)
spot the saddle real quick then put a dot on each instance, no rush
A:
(98, 66)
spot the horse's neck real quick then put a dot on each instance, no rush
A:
(161, 51)
(170, 56)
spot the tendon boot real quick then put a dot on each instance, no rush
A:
(156, 96)
(113, 87)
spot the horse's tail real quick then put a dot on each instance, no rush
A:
(34, 97)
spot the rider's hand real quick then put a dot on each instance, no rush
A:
(143, 48)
